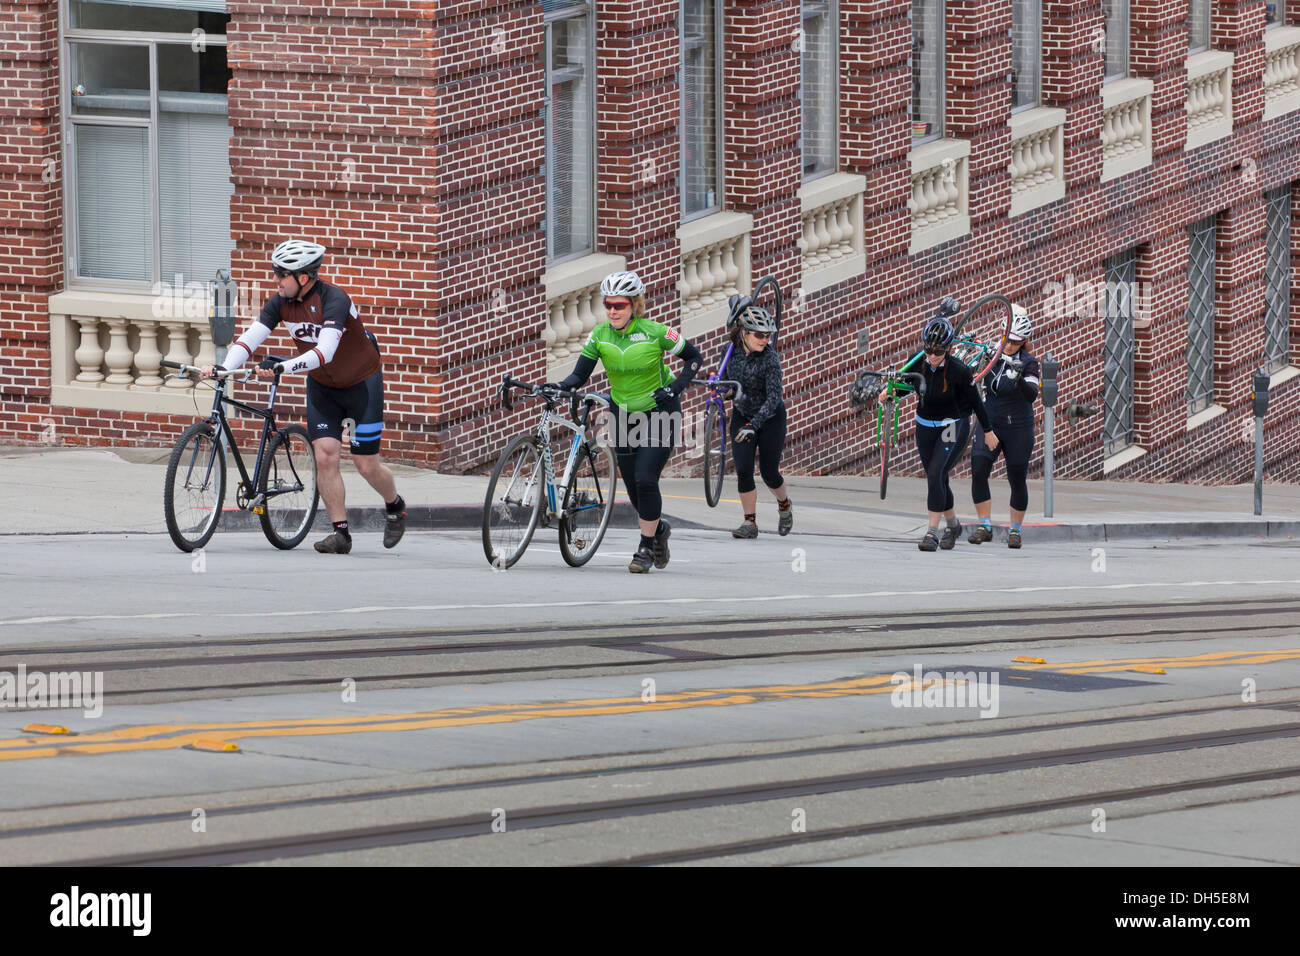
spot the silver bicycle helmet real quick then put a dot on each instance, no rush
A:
(1021, 327)
(622, 283)
(757, 319)
(298, 255)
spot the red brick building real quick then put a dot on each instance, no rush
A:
(475, 167)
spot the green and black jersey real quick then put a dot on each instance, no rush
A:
(634, 359)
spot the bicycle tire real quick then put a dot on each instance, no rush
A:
(715, 459)
(521, 447)
(200, 505)
(578, 543)
(993, 330)
(886, 446)
(287, 516)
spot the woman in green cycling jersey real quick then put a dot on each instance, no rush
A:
(645, 408)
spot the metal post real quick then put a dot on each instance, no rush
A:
(1048, 419)
(1259, 466)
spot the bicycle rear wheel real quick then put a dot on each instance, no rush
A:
(982, 332)
(513, 502)
(287, 484)
(195, 487)
(715, 452)
(588, 504)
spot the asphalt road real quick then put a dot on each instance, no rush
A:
(798, 700)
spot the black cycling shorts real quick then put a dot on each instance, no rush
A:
(362, 404)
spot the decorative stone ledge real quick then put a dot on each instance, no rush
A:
(1122, 458)
(940, 205)
(1209, 97)
(1125, 126)
(1281, 71)
(106, 349)
(715, 266)
(1205, 415)
(1037, 171)
(832, 243)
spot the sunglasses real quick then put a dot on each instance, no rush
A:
(280, 273)
(761, 335)
(936, 351)
(617, 305)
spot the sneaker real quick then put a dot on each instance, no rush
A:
(394, 528)
(950, 535)
(981, 534)
(334, 544)
(661, 546)
(747, 529)
(786, 520)
(642, 560)
(930, 542)
(1013, 538)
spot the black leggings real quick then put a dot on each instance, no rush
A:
(1018, 444)
(938, 457)
(768, 442)
(641, 454)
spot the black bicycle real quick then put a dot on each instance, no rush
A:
(281, 489)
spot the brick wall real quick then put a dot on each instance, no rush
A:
(409, 138)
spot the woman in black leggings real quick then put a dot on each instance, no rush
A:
(943, 427)
(1011, 387)
(758, 419)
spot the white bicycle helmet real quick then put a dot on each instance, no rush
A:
(1021, 327)
(298, 255)
(622, 283)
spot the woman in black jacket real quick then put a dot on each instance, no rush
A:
(943, 427)
(758, 419)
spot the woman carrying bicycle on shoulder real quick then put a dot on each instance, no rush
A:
(757, 419)
(645, 409)
(1011, 386)
(943, 427)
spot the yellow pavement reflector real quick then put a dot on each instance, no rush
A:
(1144, 669)
(45, 729)
(1029, 660)
(217, 746)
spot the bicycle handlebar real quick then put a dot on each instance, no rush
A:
(508, 383)
(249, 374)
(714, 383)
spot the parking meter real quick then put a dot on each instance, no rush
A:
(1259, 395)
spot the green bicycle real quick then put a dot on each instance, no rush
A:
(979, 337)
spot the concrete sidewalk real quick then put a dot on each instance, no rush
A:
(54, 490)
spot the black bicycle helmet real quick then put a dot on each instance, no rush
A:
(937, 334)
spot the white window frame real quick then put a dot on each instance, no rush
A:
(1038, 46)
(68, 37)
(549, 18)
(942, 63)
(719, 112)
(832, 12)
(1281, 15)
(1126, 33)
(1192, 46)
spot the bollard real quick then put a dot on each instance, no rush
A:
(1047, 391)
(1259, 396)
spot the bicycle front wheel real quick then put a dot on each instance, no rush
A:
(287, 484)
(588, 504)
(715, 453)
(513, 503)
(195, 487)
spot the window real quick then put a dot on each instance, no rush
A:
(1274, 13)
(1121, 272)
(148, 185)
(1198, 26)
(570, 130)
(1200, 316)
(1277, 279)
(1116, 12)
(1026, 49)
(927, 70)
(820, 88)
(701, 30)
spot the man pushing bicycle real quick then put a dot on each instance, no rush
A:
(345, 382)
